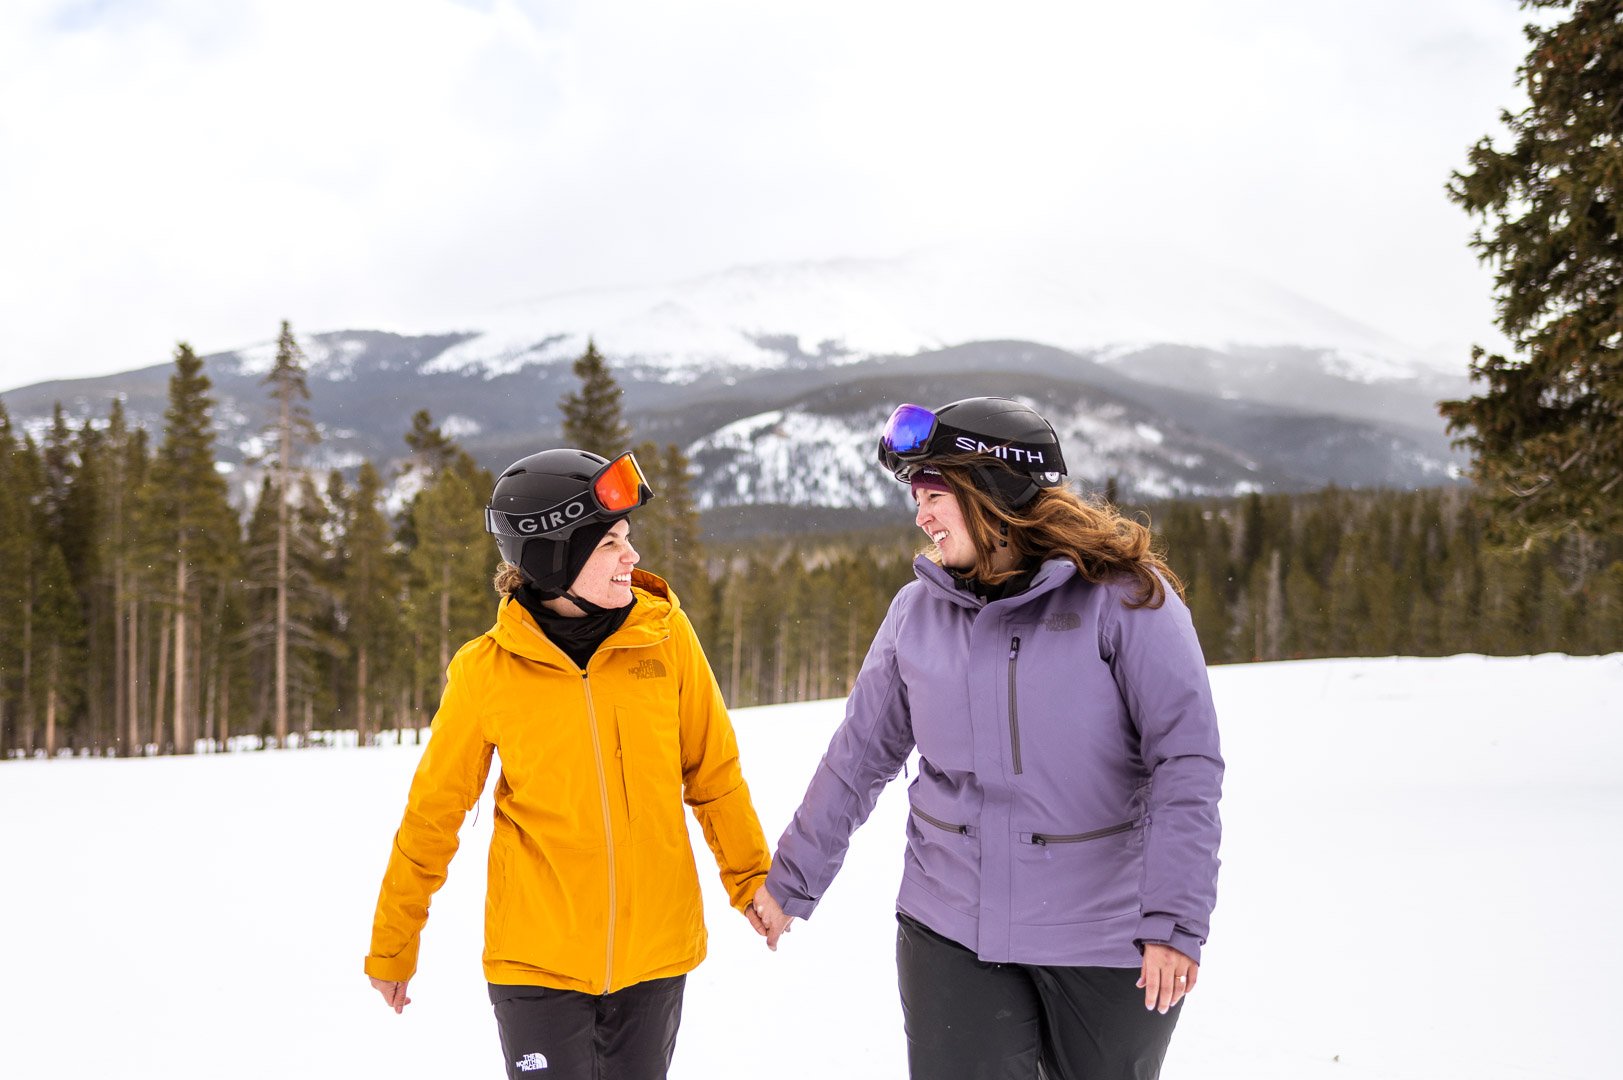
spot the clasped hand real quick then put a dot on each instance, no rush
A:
(767, 917)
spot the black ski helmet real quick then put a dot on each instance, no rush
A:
(549, 510)
(1016, 435)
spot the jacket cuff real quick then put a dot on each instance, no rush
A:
(744, 893)
(1163, 930)
(800, 909)
(392, 968)
(791, 904)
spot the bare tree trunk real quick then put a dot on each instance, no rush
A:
(1273, 611)
(445, 625)
(281, 581)
(28, 669)
(182, 598)
(53, 670)
(132, 673)
(223, 676)
(120, 690)
(210, 699)
(416, 667)
(160, 695)
(737, 602)
(360, 698)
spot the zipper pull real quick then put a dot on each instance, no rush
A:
(1014, 648)
(1039, 840)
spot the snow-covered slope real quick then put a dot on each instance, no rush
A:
(801, 457)
(1415, 860)
(1117, 297)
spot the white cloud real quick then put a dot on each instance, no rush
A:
(196, 170)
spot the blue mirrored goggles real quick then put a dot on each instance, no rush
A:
(909, 430)
(912, 435)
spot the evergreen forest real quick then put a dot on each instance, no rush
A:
(153, 609)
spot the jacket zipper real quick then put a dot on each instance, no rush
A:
(608, 827)
(1043, 839)
(1014, 711)
(962, 830)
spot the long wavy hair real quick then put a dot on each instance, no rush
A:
(1057, 523)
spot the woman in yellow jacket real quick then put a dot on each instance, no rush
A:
(593, 689)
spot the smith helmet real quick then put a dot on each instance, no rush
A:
(1015, 435)
(542, 500)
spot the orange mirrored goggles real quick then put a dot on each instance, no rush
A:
(620, 487)
(613, 492)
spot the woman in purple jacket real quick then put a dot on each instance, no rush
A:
(1061, 861)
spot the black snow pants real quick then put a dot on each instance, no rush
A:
(969, 1020)
(566, 1035)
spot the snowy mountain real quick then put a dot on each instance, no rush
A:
(1117, 298)
(1166, 376)
(1374, 811)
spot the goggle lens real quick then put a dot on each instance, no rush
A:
(909, 429)
(618, 486)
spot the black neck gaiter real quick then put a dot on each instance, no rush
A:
(577, 637)
(1014, 586)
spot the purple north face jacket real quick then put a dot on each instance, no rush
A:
(1065, 808)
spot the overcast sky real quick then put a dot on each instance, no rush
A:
(200, 170)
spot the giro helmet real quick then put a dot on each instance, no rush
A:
(542, 501)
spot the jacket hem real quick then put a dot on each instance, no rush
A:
(513, 973)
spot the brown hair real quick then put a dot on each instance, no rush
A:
(1058, 523)
(508, 579)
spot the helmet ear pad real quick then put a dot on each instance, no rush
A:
(550, 565)
(1007, 487)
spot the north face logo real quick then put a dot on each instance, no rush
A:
(531, 1063)
(1063, 620)
(648, 669)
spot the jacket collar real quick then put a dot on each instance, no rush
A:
(1051, 575)
(648, 624)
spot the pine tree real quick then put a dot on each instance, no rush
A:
(17, 540)
(430, 448)
(592, 416)
(1546, 434)
(59, 641)
(292, 432)
(451, 560)
(196, 530)
(128, 537)
(83, 546)
(666, 530)
(371, 598)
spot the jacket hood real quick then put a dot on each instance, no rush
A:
(649, 623)
(940, 582)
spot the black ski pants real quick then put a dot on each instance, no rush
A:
(970, 1020)
(566, 1035)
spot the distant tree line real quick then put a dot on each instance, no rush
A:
(1268, 577)
(145, 613)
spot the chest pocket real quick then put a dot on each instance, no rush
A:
(650, 756)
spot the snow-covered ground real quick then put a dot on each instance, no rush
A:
(1420, 880)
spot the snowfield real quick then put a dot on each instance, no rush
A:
(1420, 880)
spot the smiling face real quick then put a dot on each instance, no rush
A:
(943, 522)
(605, 580)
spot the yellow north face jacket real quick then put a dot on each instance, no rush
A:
(592, 884)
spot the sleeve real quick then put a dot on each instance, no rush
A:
(1159, 669)
(867, 751)
(712, 779)
(447, 784)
